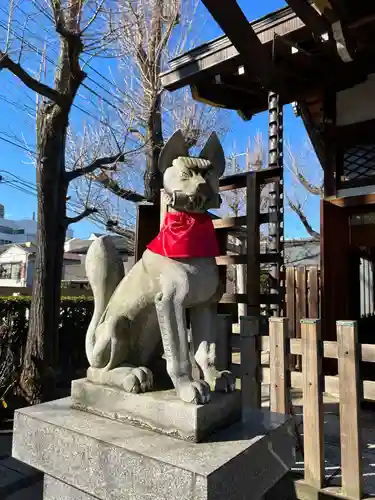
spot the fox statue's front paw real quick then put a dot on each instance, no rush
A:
(138, 380)
(128, 378)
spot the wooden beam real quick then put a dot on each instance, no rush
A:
(317, 23)
(233, 22)
(338, 77)
(353, 201)
(238, 181)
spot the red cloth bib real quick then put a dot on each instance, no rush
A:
(186, 235)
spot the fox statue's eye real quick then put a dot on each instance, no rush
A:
(184, 175)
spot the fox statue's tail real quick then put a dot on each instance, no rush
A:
(104, 270)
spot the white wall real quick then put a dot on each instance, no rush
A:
(356, 104)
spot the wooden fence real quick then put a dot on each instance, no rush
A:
(346, 385)
(302, 296)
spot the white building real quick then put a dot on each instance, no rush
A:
(17, 264)
(17, 260)
(19, 231)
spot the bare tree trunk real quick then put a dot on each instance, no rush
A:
(37, 378)
(154, 131)
(153, 181)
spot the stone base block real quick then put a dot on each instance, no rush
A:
(53, 489)
(92, 457)
(160, 411)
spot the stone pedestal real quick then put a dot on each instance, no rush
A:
(160, 411)
(90, 457)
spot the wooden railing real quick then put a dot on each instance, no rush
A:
(347, 385)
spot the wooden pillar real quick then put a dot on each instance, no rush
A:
(148, 225)
(328, 136)
(253, 244)
(335, 272)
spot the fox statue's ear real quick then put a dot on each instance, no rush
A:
(213, 151)
(174, 147)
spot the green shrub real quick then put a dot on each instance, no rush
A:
(75, 315)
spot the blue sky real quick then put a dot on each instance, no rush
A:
(18, 126)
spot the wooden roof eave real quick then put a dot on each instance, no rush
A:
(213, 69)
(215, 56)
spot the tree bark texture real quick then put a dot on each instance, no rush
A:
(153, 180)
(37, 379)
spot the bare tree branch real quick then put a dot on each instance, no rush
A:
(88, 211)
(94, 16)
(115, 188)
(311, 188)
(297, 172)
(8, 40)
(99, 163)
(7, 63)
(122, 231)
(296, 167)
(297, 209)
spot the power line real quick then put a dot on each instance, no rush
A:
(22, 107)
(86, 63)
(35, 49)
(27, 187)
(24, 148)
(73, 206)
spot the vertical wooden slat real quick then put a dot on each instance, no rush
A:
(313, 295)
(290, 308)
(313, 432)
(223, 343)
(279, 379)
(250, 362)
(320, 294)
(222, 239)
(348, 363)
(301, 303)
(290, 299)
(253, 244)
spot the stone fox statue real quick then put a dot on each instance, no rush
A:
(139, 315)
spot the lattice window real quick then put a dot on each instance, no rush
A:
(359, 163)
